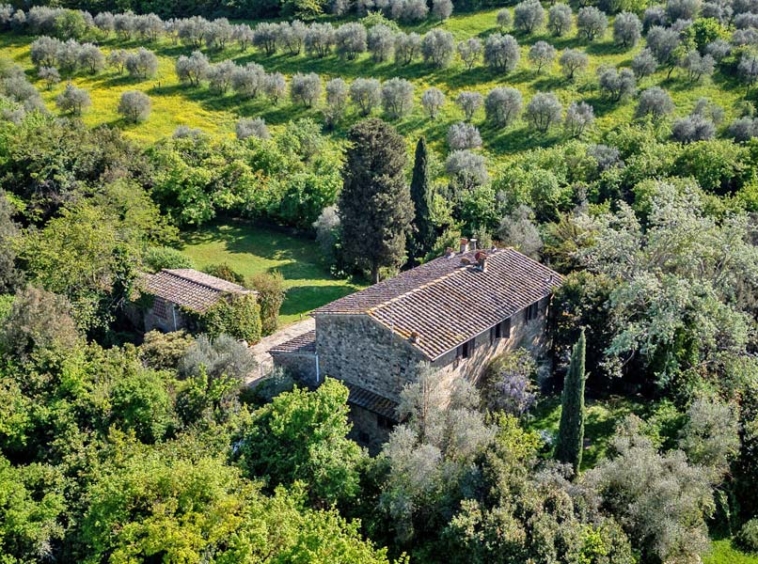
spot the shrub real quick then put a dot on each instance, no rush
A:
(305, 89)
(572, 62)
(627, 30)
(252, 127)
(271, 294)
(591, 23)
(438, 47)
(501, 52)
(238, 316)
(158, 258)
(397, 97)
(466, 169)
(134, 106)
(543, 111)
(559, 20)
(73, 100)
(529, 16)
(508, 380)
(542, 54)
(432, 101)
(469, 102)
(743, 129)
(218, 356)
(503, 106)
(225, 272)
(462, 136)
(163, 351)
(747, 538)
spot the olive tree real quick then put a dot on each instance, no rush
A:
(248, 81)
(542, 54)
(292, 36)
(275, 87)
(627, 30)
(44, 51)
(469, 102)
(319, 39)
(192, 69)
(266, 37)
(591, 23)
(617, 85)
(559, 19)
(504, 19)
(73, 100)
(644, 63)
(117, 59)
(366, 93)
(663, 43)
(397, 97)
(503, 106)
(543, 111)
(501, 52)
(407, 47)
(470, 51)
(467, 170)
(573, 61)
(91, 58)
(528, 16)
(654, 102)
(252, 127)
(305, 89)
(220, 76)
(442, 9)
(432, 101)
(697, 65)
(438, 47)
(462, 136)
(134, 106)
(50, 75)
(579, 117)
(350, 40)
(682, 9)
(694, 127)
(381, 42)
(336, 100)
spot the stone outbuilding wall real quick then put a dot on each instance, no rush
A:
(164, 316)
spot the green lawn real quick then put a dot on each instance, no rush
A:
(724, 552)
(251, 249)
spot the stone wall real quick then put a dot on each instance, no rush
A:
(359, 350)
(163, 319)
(301, 366)
(367, 430)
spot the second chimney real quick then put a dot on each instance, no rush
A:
(464, 245)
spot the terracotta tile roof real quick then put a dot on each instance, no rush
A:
(302, 344)
(446, 303)
(189, 288)
(371, 401)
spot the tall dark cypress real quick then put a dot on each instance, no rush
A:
(424, 235)
(571, 431)
(375, 205)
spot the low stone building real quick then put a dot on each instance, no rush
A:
(174, 291)
(456, 312)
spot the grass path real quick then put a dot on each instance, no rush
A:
(250, 249)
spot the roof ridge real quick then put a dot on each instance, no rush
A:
(174, 272)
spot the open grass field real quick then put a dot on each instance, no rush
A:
(176, 104)
(724, 552)
(250, 250)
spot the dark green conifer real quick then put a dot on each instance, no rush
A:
(424, 235)
(570, 442)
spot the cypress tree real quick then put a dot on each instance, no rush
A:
(571, 431)
(375, 205)
(424, 235)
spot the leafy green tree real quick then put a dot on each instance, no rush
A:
(237, 316)
(424, 232)
(375, 204)
(140, 402)
(570, 442)
(10, 276)
(302, 436)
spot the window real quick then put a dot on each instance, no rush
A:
(384, 422)
(159, 308)
(532, 311)
(500, 331)
(466, 349)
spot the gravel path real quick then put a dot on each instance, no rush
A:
(260, 350)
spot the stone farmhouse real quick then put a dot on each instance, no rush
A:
(456, 312)
(178, 290)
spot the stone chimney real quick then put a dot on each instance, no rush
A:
(464, 245)
(481, 261)
(472, 244)
(450, 252)
(415, 337)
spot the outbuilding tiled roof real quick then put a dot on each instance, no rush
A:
(446, 302)
(369, 400)
(189, 288)
(302, 344)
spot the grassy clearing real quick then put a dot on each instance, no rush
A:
(175, 104)
(724, 552)
(251, 250)
(602, 416)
